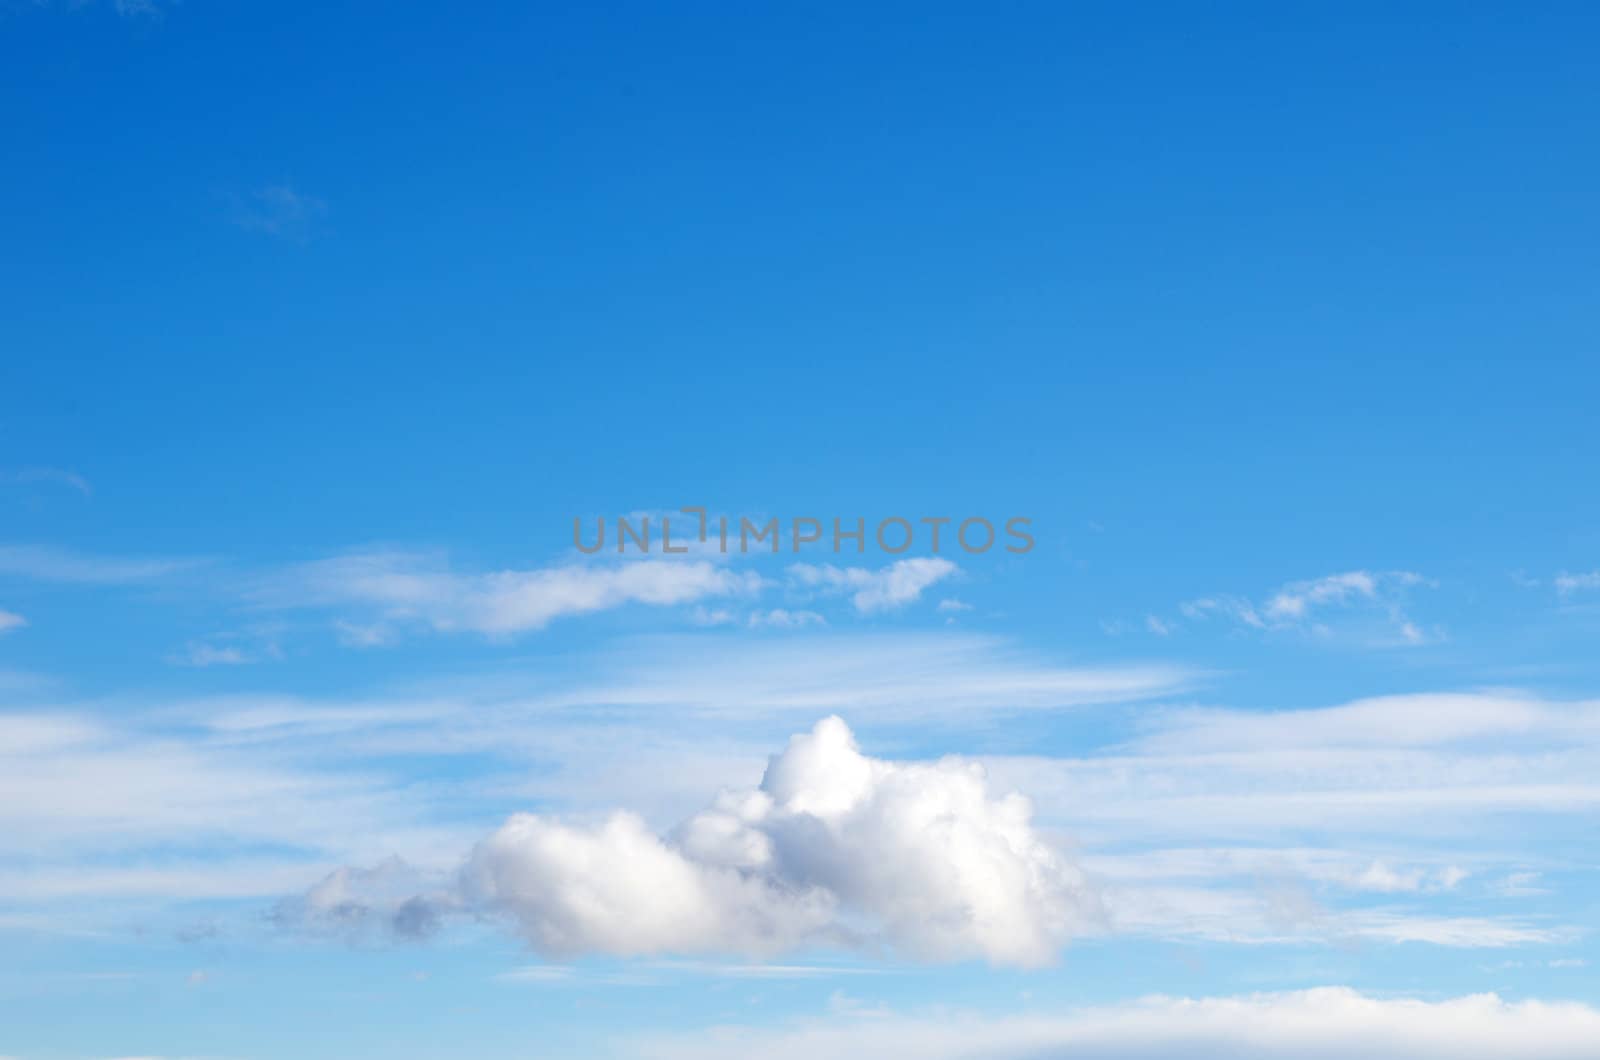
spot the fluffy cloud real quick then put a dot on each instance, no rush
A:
(1332, 1023)
(9, 620)
(834, 847)
(871, 591)
(618, 888)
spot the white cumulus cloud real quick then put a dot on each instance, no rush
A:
(833, 848)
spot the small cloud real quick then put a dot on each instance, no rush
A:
(1567, 583)
(364, 635)
(951, 606)
(279, 210)
(44, 563)
(1294, 600)
(779, 618)
(1519, 885)
(225, 649)
(354, 902)
(386, 594)
(199, 931)
(54, 476)
(138, 8)
(198, 653)
(1380, 877)
(886, 589)
(10, 620)
(1230, 607)
(1369, 605)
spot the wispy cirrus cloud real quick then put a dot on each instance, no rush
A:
(871, 591)
(377, 597)
(1417, 801)
(50, 564)
(48, 475)
(187, 794)
(785, 618)
(1298, 600)
(279, 210)
(1328, 1023)
(1368, 607)
(1122, 807)
(1407, 809)
(129, 9)
(1433, 768)
(880, 677)
(392, 591)
(198, 653)
(1568, 583)
(225, 650)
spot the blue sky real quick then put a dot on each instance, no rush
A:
(323, 324)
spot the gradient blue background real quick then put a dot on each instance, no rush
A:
(1220, 296)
